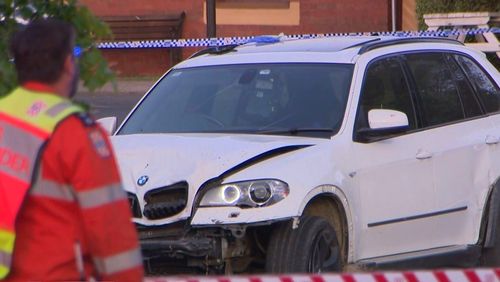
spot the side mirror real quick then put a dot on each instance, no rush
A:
(384, 119)
(108, 123)
(383, 123)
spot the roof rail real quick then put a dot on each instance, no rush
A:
(372, 45)
(363, 43)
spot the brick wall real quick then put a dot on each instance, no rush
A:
(316, 16)
(324, 16)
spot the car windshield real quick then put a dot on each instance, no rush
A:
(292, 99)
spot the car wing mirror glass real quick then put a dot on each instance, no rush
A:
(383, 123)
(108, 123)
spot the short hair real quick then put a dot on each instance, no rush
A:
(40, 50)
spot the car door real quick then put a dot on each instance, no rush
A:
(454, 120)
(394, 175)
(486, 84)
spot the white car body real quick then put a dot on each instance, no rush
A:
(404, 197)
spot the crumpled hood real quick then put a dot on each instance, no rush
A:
(195, 158)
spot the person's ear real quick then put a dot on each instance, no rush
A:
(69, 65)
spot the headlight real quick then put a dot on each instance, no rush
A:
(255, 193)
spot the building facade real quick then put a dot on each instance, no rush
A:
(248, 17)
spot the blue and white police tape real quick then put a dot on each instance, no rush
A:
(222, 41)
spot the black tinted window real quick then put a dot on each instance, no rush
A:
(469, 101)
(487, 89)
(385, 87)
(436, 87)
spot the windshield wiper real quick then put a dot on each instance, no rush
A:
(296, 130)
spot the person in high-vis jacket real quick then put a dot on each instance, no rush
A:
(63, 213)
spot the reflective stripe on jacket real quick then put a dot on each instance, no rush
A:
(27, 120)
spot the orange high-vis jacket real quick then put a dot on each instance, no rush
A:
(75, 221)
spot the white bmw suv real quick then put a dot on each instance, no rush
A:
(311, 155)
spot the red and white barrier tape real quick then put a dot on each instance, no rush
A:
(465, 275)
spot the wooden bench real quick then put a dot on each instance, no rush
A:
(150, 27)
(486, 42)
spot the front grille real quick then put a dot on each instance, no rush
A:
(134, 205)
(166, 201)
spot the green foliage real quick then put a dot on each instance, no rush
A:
(451, 6)
(94, 70)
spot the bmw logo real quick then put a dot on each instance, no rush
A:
(142, 180)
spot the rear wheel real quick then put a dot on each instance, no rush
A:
(312, 247)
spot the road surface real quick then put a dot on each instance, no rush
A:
(106, 102)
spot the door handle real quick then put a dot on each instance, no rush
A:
(491, 140)
(422, 155)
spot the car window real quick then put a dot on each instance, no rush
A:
(247, 98)
(385, 87)
(487, 90)
(436, 88)
(469, 100)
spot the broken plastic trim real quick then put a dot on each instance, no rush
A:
(190, 246)
(218, 50)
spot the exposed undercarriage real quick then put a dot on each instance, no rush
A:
(180, 249)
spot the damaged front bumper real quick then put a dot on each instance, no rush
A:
(192, 246)
(195, 247)
(176, 248)
(181, 249)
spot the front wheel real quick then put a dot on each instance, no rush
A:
(491, 256)
(310, 248)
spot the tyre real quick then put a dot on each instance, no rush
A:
(310, 248)
(491, 256)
